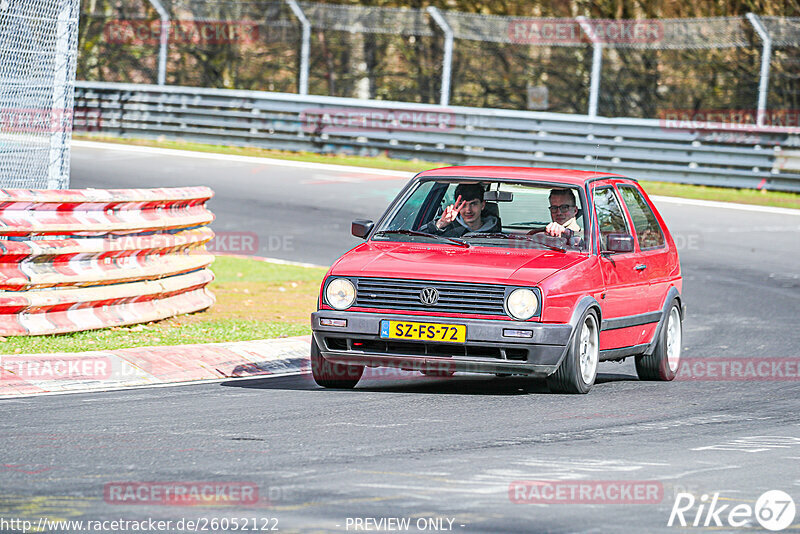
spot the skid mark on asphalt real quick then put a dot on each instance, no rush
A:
(26, 469)
(369, 425)
(753, 444)
(53, 507)
(589, 465)
(336, 502)
(696, 471)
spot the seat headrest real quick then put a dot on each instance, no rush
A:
(491, 209)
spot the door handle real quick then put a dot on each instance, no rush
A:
(641, 267)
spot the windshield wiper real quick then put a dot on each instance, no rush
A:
(423, 234)
(517, 237)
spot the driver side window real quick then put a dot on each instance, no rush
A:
(610, 218)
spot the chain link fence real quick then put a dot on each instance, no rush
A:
(228, 44)
(615, 68)
(38, 43)
(682, 64)
(519, 63)
(784, 83)
(373, 53)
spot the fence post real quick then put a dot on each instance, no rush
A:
(305, 46)
(63, 89)
(447, 62)
(597, 64)
(766, 56)
(164, 40)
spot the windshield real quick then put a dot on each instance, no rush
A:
(489, 213)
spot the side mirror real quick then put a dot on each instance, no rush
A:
(361, 228)
(619, 243)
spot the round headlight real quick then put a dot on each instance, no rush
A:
(522, 304)
(340, 294)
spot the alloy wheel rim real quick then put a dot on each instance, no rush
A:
(589, 353)
(674, 339)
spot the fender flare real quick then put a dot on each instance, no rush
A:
(585, 303)
(672, 294)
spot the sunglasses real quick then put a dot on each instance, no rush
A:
(563, 208)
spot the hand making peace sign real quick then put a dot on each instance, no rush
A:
(450, 213)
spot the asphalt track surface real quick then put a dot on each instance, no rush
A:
(417, 448)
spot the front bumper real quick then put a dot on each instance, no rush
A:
(486, 349)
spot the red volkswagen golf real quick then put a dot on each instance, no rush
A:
(505, 270)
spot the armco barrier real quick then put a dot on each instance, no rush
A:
(648, 149)
(74, 260)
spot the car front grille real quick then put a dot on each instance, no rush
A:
(454, 297)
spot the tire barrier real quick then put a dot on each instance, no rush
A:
(73, 260)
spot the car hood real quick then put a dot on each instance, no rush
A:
(453, 263)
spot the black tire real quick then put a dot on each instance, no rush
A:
(569, 377)
(333, 375)
(663, 364)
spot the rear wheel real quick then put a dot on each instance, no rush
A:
(578, 370)
(333, 375)
(666, 358)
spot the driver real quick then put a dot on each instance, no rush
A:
(563, 211)
(465, 215)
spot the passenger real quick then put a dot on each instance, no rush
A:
(465, 215)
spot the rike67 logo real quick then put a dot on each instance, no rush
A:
(774, 510)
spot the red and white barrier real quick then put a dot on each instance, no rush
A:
(101, 258)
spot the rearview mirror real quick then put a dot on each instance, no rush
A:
(361, 228)
(498, 196)
(619, 243)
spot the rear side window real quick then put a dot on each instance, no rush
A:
(644, 221)
(610, 218)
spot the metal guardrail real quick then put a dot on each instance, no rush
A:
(728, 155)
(74, 260)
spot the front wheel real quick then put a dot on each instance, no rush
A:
(578, 370)
(666, 358)
(333, 375)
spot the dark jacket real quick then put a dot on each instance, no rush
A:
(458, 227)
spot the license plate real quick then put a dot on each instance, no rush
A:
(435, 332)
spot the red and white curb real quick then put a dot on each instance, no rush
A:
(43, 374)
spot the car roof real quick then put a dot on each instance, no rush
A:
(567, 176)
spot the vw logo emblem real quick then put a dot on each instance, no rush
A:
(429, 296)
